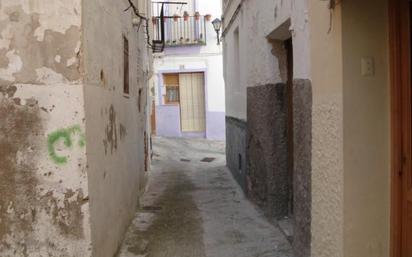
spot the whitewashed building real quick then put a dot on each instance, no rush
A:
(188, 92)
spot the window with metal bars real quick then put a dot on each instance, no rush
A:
(171, 82)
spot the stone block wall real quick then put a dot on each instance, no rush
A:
(267, 149)
(236, 142)
(302, 166)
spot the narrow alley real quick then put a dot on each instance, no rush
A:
(205, 128)
(194, 208)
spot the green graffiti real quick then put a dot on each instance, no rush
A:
(65, 135)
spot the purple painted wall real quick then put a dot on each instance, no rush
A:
(215, 126)
(168, 124)
(168, 121)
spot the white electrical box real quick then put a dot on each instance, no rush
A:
(368, 66)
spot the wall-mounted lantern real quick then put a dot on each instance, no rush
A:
(217, 25)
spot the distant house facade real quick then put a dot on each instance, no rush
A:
(318, 111)
(188, 90)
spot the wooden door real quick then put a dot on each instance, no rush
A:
(400, 39)
(407, 138)
(192, 102)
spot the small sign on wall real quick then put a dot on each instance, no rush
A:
(368, 66)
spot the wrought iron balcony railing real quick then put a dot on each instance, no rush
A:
(180, 31)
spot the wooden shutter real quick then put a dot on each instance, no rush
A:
(192, 102)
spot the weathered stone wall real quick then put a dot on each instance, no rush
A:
(267, 149)
(236, 141)
(115, 121)
(44, 207)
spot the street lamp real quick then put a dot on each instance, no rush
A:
(217, 25)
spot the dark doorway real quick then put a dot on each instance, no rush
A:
(289, 84)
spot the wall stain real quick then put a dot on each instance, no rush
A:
(103, 79)
(8, 91)
(111, 132)
(18, 130)
(123, 132)
(4, 62)
(139, 101)
(69, 219)
(14, 16)
(146, 153)
(167, 235)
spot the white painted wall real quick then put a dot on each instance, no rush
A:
(115, 121)
(366, 118)
(255, 21)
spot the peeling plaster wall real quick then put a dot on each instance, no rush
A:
(39, 41)
(44, 208)
(116, 122)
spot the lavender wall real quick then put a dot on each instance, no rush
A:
(168, 124)
(215, 126)
(168, 121)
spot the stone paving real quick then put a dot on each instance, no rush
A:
(194, 208)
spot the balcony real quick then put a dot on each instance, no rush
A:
(180, 30)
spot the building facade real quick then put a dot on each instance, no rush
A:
(73, 125)
(317, 111)
(188, 91)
